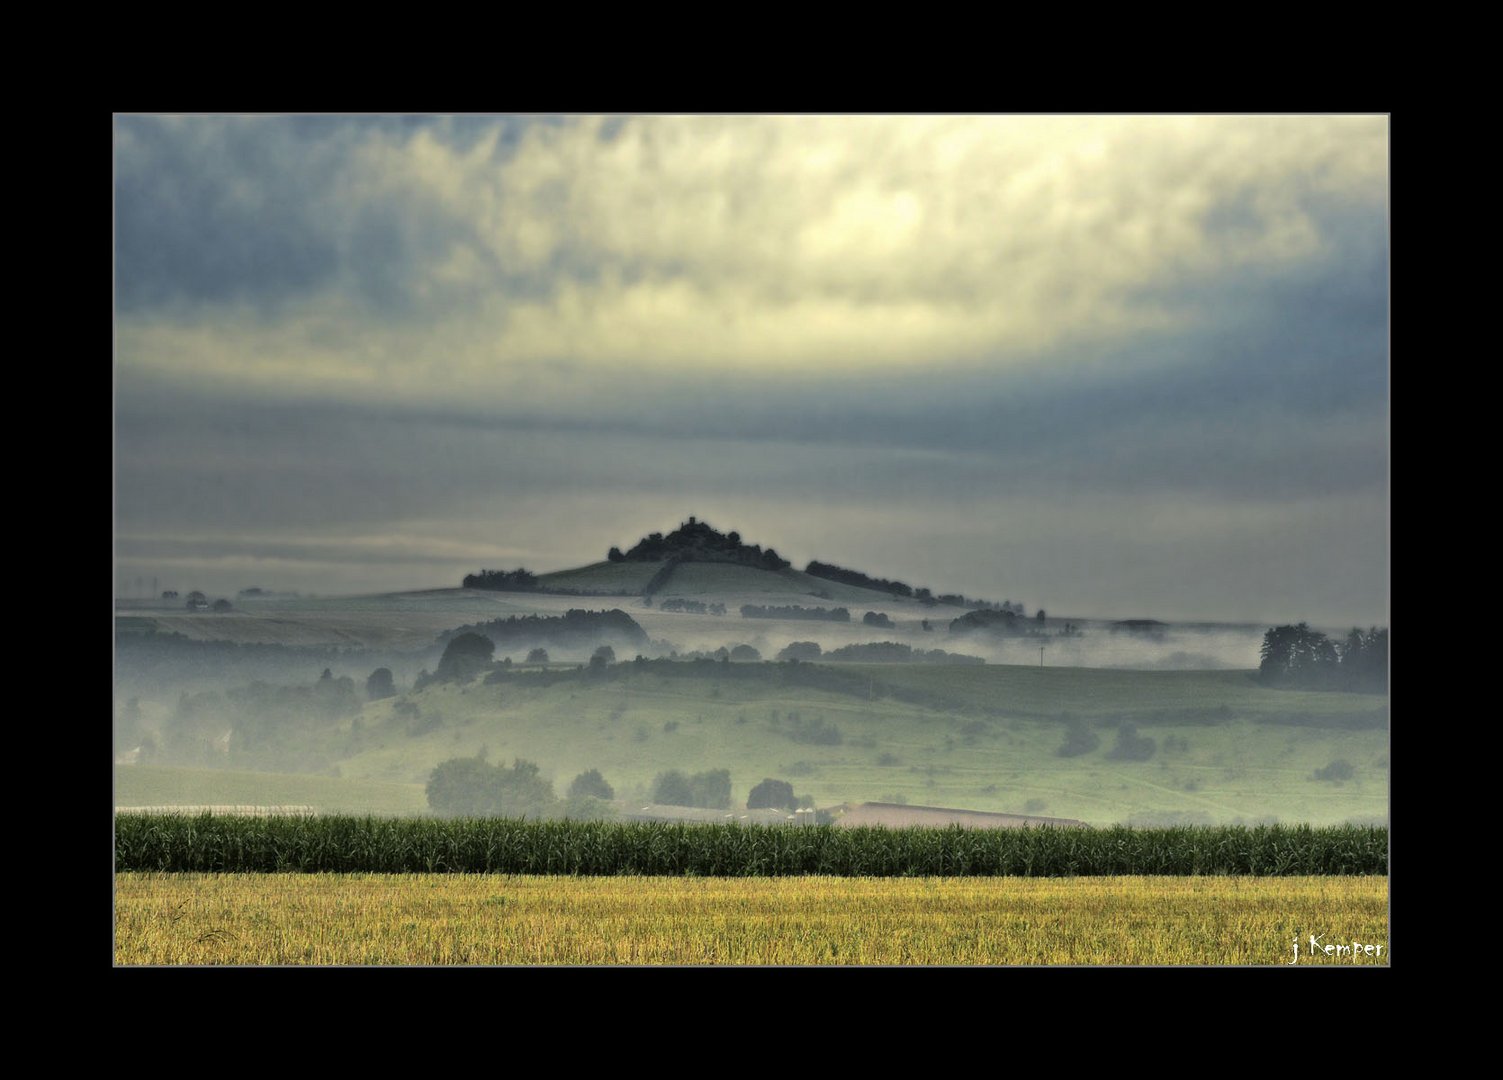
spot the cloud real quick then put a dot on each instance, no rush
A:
(496, 259)
(1133, 365)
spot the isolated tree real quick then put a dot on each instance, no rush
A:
(772, 795)
(672, 788)
(523, 792)
(379, 685)
(538, 656)
(712, 789)
(465, 657)
(745, 653)
(591, 785)
(1131, 746)
(463, 787)
(707, 789)
(1079, 739)
(602, 657)
(469, 787)
(801, 650)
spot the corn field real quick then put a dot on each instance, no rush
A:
(209, 843)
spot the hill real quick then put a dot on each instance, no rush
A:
(603, 578)
(1154, 747)
(695, 560)
(703, 578)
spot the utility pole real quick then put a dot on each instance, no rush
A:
(1041, 657)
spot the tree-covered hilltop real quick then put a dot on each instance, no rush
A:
(696, 541)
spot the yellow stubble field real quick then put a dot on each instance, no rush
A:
(384, 919)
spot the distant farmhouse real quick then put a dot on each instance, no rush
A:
(892, 815)
(902, 816)
(660, 812)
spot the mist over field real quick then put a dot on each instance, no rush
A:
(284, 698)
(637, 461)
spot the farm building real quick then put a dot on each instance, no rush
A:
(900, 816)
(657, 812)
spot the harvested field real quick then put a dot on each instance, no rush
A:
(497, 919)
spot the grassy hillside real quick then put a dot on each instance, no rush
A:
(628, 578)
(738, 582)
(1195, 696)
(149, 785)
(397, 620)
(1226, 750)
(723, 580)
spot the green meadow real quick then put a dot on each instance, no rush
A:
(172, 785)
(1224, 749)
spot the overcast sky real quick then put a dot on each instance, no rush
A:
(1114, 366)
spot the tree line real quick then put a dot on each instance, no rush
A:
(757, 611)
(1003, 622)
(472, 787)
(891, 652)
(831, 572)
(573, 630)
(1298, 657)
(691, 607)
(518, 580)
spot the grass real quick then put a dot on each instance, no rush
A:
(1049, 691)
(606, 577)
(151, 785)
(421, 919)
(987, 739)
(738, 584)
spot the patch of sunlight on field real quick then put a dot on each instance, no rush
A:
(481, 919)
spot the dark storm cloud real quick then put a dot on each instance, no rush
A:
(1279, 393)
(268, 209)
